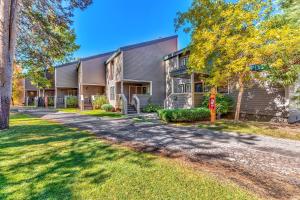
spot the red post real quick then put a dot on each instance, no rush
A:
(212, 105)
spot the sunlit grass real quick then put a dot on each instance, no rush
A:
(44, 160)
(259, 128)
(96, 113)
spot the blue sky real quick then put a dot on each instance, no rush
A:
(109, 24)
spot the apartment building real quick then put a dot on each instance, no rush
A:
(186, 90)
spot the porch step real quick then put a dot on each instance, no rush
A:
(131, 109)
(88, 107)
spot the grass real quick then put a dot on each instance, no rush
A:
(96, 113)
(45, 160)
(258, 128)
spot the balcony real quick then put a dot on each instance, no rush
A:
(180, 72)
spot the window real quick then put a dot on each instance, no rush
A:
(112, 93)
(111, 70)
(187, 87)
(145, 90)
(72, 93)
(183, 61)
(199, 87)
(183, 88)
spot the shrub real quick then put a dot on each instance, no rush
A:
(72, 101)
(184, 115)
(50, 101)
(107, 107)
(150, 108)
(99, 101)
(224, 103)
(165, 114)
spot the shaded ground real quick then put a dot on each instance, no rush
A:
(279, 130)
(43, 160)
(265, 165)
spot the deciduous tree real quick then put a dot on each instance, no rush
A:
(228, 38)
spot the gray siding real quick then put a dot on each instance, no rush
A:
(146, 63)
(93, 70)
(263, 100)
(293, 104)
(29, 86)
(66, 76)
(183, 100)
(198, 98)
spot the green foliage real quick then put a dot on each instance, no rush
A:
(46, 37)
(99, 101)
(107, 107)
(72, 101)
(50, 101)
(228, 37)
(224, 102)
(184, 115)
(150, 108)
(291, 10)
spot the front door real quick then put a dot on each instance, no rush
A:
(132, 91)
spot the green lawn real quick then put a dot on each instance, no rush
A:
(259, 128)
(44, 160)
(97, 113)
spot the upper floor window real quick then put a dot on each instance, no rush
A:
(111, 70)
(182, 88)
(112, 93)
(72, 92)
(199, 87)
(183, 61)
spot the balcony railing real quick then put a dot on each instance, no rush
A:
(180, 71)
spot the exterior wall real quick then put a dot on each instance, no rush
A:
(198, 99)
(29, 86)
(66, 76)
(146, 63)
(263, 100)
(89, 90)
(183, 100)
(113, 77)
(93, 70)
(61, 92)
(292, 92)
(169, 66)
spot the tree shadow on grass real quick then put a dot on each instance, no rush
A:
(46, 161)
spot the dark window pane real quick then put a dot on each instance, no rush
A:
(198, 87)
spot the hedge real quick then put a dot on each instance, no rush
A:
(224, 102)
(99, 101)
(107, 107)
(184, 115)
(151, 108)
(72, 101)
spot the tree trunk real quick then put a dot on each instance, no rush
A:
(8, 29)
(239, 100)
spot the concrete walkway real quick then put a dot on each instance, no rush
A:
(271, 165)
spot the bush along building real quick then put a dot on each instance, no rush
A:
(260, 101)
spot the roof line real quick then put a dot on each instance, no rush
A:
(171, 55)
(97, 56)
(128, 47)
(138, 45)
(124, 48)
(65, 64)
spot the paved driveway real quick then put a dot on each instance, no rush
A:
(268, 166)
